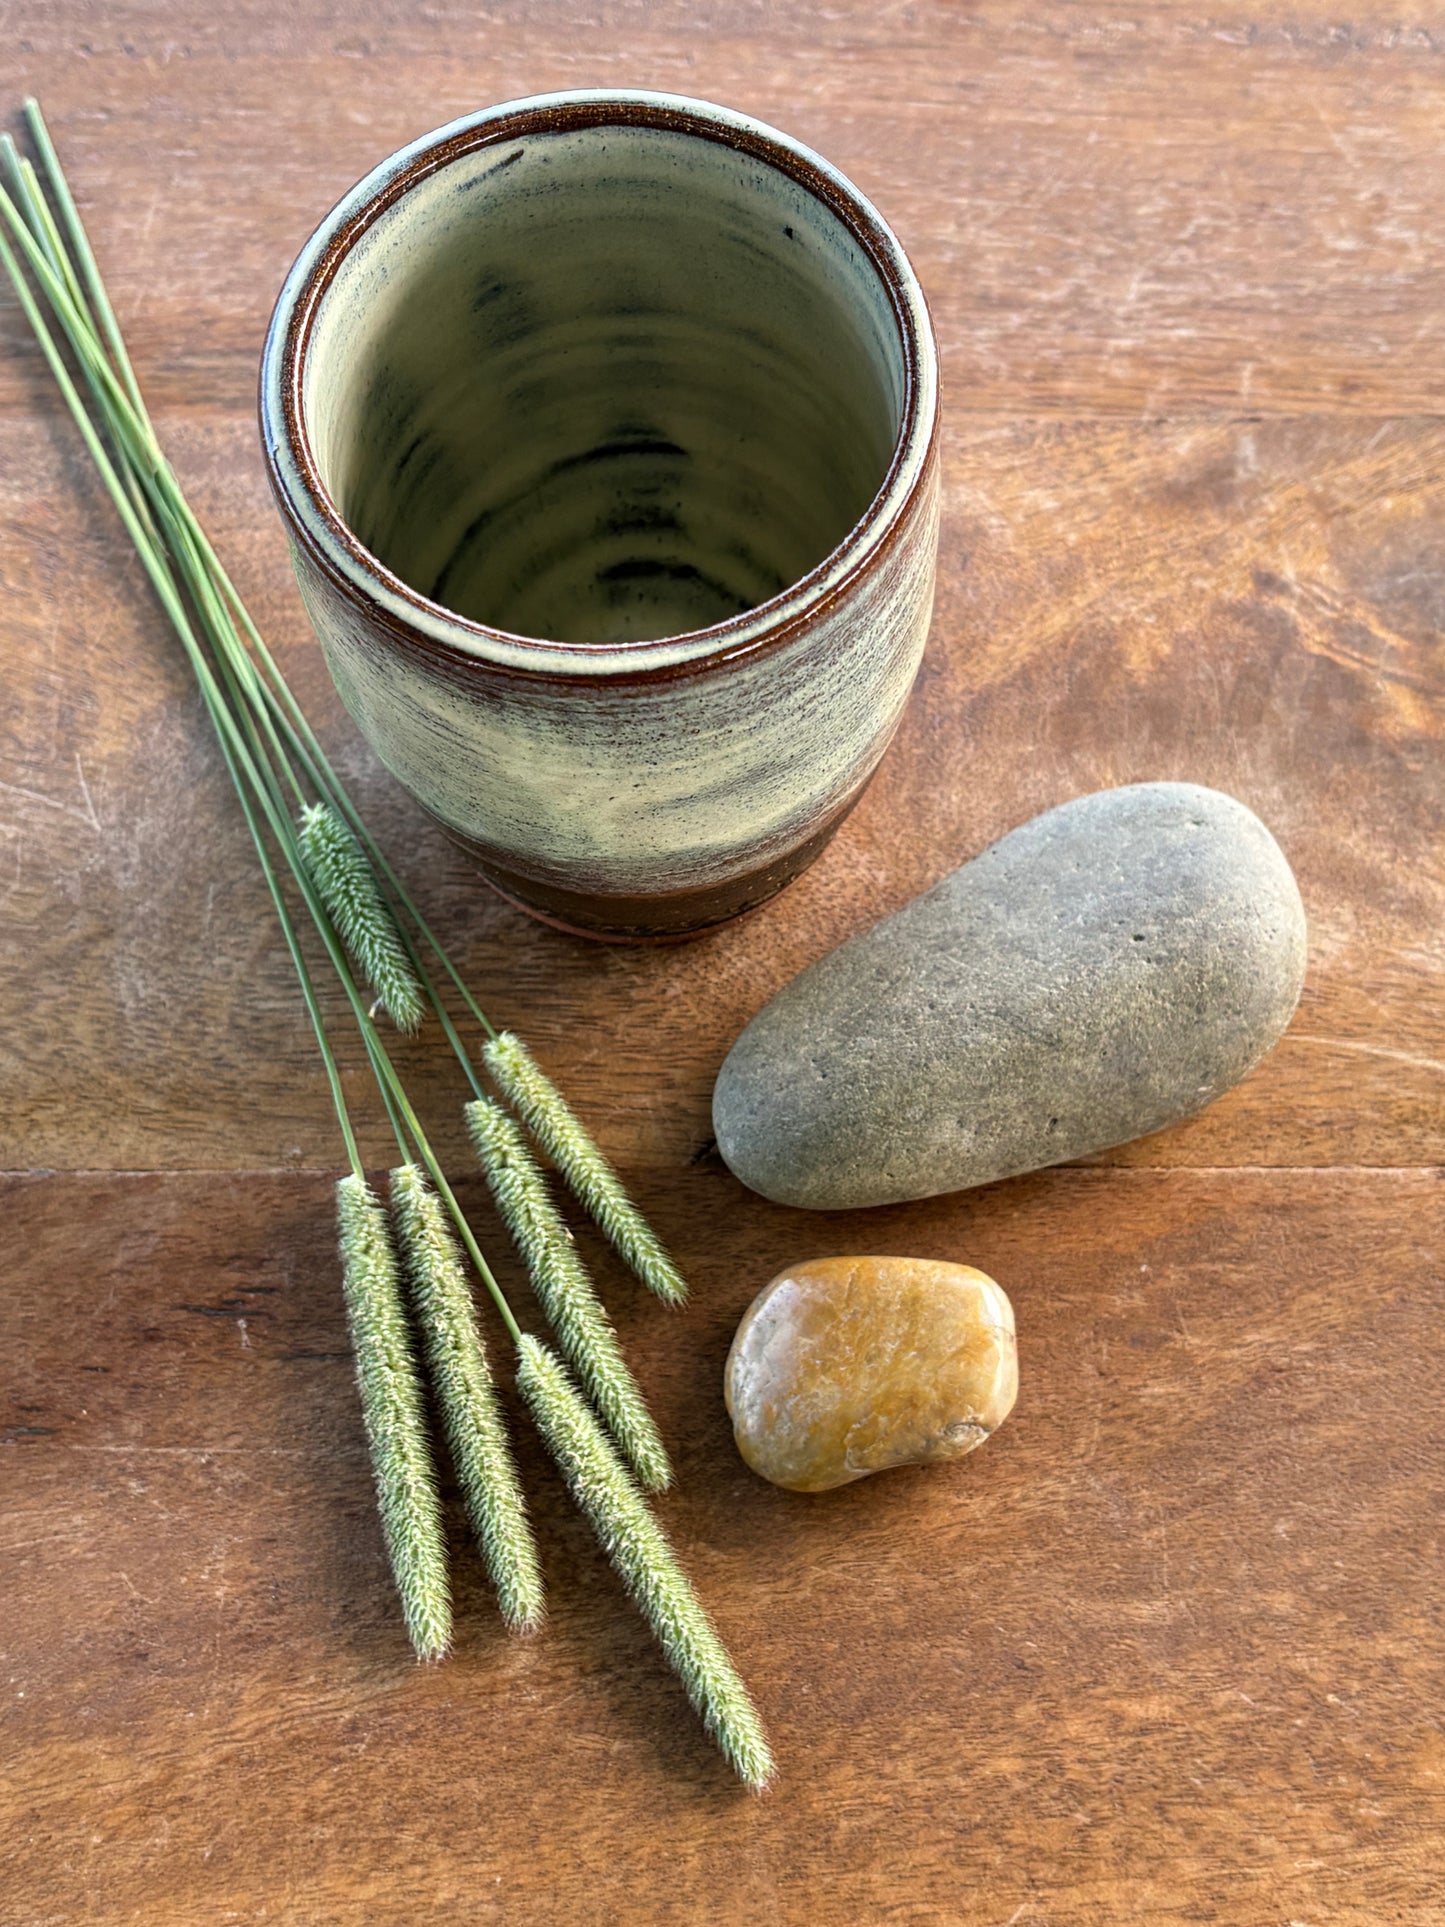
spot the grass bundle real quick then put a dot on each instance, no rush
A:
(323, 870)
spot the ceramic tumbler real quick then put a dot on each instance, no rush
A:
(604, 428)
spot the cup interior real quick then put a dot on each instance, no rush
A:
(604, 383)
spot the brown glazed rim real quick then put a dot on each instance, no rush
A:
(283, 369)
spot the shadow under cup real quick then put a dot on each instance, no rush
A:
(603, 429)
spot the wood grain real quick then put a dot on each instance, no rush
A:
(1252, 605)
(1166, 1649)
(1152, 211)
(1169, 1648)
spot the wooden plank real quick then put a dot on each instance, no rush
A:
(1255, 606)
(1166, 1649)
(1110, 214)
(1169, 1648)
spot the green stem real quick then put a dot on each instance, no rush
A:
(31, 194)
(393, 1115)
(224, 725)
(26, 186)
(303, 975)
(449, 1029)
(445, 1192)
(80, 242)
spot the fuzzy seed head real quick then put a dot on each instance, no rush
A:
(394, 1416)
(550, 1119)
(564, 1289)
(462, 1380)
(639, 1549)
(347, 885)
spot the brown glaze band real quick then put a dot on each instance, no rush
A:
(672, 916)
(448, 658)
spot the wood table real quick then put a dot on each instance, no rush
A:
(1169, 1648)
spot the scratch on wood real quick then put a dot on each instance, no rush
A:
(202, 1451)
(94, 819)
(86, 816)
(1416, 1062)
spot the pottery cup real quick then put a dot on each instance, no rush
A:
(604, 430)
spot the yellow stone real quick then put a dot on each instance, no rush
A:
(845, 1366)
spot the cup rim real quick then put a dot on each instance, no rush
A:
(322, 532)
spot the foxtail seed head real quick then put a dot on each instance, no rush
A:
(550, 1119)
(347, 885)
(462, 1380)
(391, 1407)
(564, 1290)
(639, 1549)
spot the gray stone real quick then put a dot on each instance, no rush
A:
(1102, 971)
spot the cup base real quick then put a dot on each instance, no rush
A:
(675, 916)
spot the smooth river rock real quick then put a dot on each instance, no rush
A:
(846, 1366)
(1100, 972)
